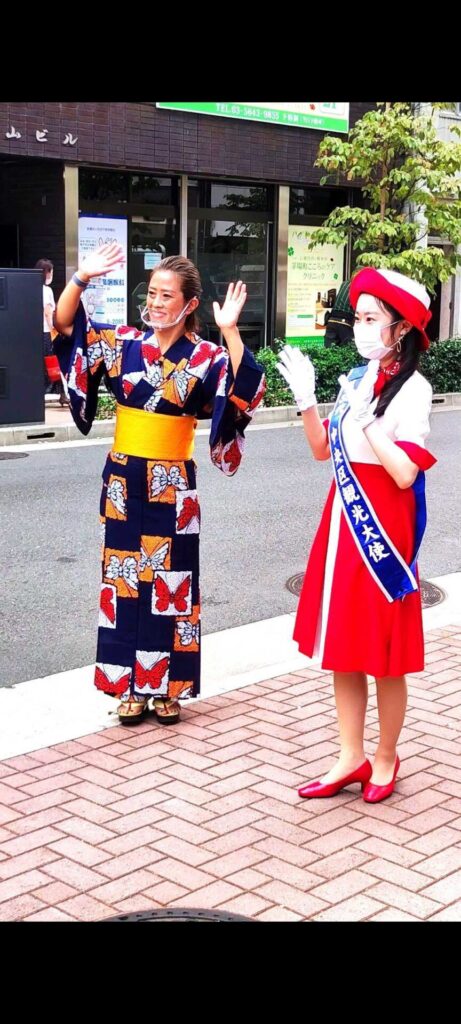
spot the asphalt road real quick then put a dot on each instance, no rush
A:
(256, 531)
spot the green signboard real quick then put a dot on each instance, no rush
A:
(329, 117)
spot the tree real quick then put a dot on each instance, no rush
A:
(402, 167)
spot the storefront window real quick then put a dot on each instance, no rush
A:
(230, 239)
(151, 207)
(103, 186)
(146, 188)
(229, 195)
(151, 239)
(315, 203)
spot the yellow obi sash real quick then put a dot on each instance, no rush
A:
(153, 435)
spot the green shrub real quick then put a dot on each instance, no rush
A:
(441, 364)
(106, 407)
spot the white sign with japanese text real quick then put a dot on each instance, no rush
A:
(105, 299)
(314, 278)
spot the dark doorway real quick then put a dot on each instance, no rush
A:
(433, 327)
(9, 245)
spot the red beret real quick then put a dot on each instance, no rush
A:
(407, 296)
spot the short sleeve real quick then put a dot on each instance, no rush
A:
(48, 297)
(412, 425)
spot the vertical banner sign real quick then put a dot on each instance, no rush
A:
(314, 278)
(105, 299)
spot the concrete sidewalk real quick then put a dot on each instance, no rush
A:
(59, 425)
(206, 814)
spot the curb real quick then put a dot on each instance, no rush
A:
(41, 712)
(42, 432)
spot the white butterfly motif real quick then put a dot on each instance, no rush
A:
(153, 401)
(154, 374)
(94, 353)
(155, 561)
(161, 479)
(181, 378)
(111, 353)
(188, 633)
(116, 495)
(108, 353)
(126, 570)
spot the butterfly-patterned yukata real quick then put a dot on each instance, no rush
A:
(149, 615)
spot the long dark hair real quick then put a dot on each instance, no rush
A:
(46, 266)
(191, 285)
(409, 360)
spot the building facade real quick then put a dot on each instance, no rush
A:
(237, 196)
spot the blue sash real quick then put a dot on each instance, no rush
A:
(387, 567)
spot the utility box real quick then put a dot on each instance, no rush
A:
(21, 347)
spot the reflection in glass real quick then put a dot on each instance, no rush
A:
(145, 188)
(226, 251)
(229, 238)
(103, 186)
(151, 238)
(220, 195)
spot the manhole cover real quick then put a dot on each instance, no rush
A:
(178, 915)
(14, 455)
(430, 594)
(295, 583)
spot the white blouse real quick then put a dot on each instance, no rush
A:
(48, 300)
(405, 419)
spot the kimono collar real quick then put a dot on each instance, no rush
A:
(150, 338)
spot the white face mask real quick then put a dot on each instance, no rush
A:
(369, 342)
(148, 318)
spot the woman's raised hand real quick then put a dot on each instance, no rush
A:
(101, 261)
(227, 315)
(299, 374)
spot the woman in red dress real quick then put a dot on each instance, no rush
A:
(360, 607)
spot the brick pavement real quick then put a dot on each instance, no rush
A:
(206, 814)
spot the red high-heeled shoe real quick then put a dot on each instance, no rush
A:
(373, 793)
(317, 788)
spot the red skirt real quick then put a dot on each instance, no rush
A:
(364, 632)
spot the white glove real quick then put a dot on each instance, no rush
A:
(360, 398)
(299, 375)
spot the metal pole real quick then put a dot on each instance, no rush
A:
(281, 248)
(71, 218)
(183, 214)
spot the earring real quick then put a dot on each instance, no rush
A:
(399, 346)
